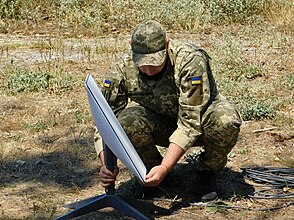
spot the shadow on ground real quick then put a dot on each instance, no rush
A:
(181, 189)
(62, 167)
(68, 168)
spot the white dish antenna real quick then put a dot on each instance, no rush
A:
(111, 131)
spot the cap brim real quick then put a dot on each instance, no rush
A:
(152, 59)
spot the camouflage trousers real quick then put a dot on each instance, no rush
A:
(146, 129)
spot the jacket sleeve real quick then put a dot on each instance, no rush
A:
(114, 90)
(194, 96)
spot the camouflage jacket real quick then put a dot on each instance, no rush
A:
(182, 93)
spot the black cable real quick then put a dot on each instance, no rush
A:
(263, 194)
(276, 179)
(272, 176)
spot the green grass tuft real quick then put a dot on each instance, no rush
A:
(21, 80)
(26, 81)
(257, 110)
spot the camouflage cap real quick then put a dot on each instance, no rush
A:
(149, 44)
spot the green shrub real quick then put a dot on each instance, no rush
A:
(24, 80)
(257, 110)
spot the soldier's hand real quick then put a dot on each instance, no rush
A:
(107, 177)
(156, 175)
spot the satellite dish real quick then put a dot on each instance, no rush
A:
(111, 131)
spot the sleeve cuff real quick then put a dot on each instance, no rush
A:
(183, 140)
(98, 146)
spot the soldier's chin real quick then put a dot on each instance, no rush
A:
(152, 74)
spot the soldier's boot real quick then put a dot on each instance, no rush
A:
(208, 188)
(144, 192)
(147, 192)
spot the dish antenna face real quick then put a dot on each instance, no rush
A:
(111, 131)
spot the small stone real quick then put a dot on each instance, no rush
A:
(209, 197)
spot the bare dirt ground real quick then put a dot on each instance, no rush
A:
(42, 169)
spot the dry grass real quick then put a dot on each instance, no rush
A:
(282, 16)
(47, 157)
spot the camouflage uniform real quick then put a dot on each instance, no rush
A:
(180, 105)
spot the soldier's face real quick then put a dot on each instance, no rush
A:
(151, 70)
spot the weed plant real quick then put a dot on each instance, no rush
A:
(257, 109)
(100, 16)
(24, 80)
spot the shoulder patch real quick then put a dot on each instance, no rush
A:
(196, 80)
(107, 83)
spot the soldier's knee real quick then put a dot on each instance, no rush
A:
(228, 123)
(221, 127)
(225, 117)
(133, 120)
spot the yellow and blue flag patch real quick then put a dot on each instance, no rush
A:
(107, 83)
(196, 80)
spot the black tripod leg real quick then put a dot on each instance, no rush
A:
(104, 201)
(123, 207)
(99, 203)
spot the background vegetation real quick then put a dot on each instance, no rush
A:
(76, 18)
(95, 17)
(48, 47)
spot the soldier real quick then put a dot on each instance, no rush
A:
(177, 106)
